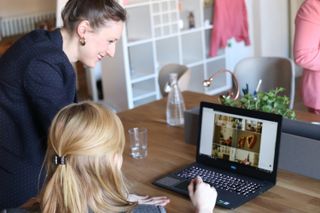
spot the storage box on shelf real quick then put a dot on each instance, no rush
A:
(156, 33)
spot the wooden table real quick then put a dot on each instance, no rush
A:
(7, 42)
(168, 152)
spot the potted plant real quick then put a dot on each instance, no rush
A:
(270, 101)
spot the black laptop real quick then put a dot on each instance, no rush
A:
(237, 153)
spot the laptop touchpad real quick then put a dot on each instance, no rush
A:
(168, 181)
(183, 185)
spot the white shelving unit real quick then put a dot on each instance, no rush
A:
(157, 33)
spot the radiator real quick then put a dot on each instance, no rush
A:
(13, 25)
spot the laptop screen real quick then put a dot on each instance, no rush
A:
(239, 139)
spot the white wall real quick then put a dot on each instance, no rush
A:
(21, 7)
(59, 8)
(294, 6)
(271, 24)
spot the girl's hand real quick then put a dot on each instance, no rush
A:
(158, 201)
(203, 197)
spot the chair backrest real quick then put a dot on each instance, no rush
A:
(184, 75)
(273, 71)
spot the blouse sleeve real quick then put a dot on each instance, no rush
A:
(45, 85)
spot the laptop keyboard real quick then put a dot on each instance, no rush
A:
(221, 181)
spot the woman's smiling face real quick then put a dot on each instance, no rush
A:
(100, 43)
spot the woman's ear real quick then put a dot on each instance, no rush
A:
(82, 28)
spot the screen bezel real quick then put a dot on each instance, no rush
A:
(235, 167)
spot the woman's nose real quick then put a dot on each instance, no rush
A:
(111, 51)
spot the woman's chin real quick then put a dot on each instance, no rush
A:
(90, 65)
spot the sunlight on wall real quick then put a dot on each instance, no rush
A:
(18, 7)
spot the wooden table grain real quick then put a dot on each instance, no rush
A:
(167, 152)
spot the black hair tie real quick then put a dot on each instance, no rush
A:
(57, 160)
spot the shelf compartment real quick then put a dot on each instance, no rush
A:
(197, 76)
(192, 47)
(157, 20)
(208, 42)
(143, 89)
(207, 12)
(133, 43)
(145, 100)
(141, 66)
(141, 77)
(174, 28)
(167, 51)
(157, 33)
(164, 14)
(143, 30)
(187, 7)
(160, 34)
(135, 3)
(163, 6)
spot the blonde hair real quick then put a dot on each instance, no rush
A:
(91, 138)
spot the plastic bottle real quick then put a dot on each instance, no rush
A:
(175, 103)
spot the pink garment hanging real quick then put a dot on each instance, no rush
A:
(229, 21)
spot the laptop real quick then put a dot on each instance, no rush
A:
(237, 153)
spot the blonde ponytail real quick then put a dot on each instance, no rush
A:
(90, 139)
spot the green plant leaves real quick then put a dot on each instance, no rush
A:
(270, 101)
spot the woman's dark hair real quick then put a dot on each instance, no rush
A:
(97, 12)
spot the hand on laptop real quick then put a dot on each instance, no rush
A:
(203, 197)
(158, 201)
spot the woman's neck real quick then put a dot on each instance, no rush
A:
(70, 45)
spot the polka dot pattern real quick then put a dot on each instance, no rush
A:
(36, 80)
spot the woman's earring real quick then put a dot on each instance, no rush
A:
(82, 41)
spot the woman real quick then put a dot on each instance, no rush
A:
(83, 161)
(37, 79)
(306, 52)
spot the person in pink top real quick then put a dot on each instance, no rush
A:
(307, 52)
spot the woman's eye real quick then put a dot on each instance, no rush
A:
(111, 41)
